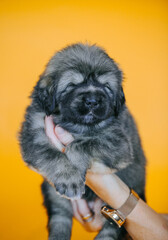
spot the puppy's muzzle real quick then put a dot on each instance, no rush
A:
(92, 103)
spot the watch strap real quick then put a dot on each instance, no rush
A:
(129, 204)
(119, 215)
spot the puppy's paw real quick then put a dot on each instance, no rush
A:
(70, 185)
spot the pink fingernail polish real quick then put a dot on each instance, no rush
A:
(59, 130)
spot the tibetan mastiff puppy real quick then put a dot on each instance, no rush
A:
(81, 88)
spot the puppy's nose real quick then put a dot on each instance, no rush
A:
(91, 103)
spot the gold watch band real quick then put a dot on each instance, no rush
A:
(119, 215)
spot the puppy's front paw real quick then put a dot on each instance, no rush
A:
(70, 184)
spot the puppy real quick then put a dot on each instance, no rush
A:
(81, 88)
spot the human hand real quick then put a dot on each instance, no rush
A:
(60, 139)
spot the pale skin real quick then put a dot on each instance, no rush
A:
(143, 223)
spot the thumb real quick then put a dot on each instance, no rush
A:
(64, 136)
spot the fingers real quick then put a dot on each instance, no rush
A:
(97, 222)
(57, 135)
(81, 210)
(49, 128)
(64, 136)
(76, 212)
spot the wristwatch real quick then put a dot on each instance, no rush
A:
(118, 216)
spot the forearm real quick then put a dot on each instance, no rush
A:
(142, 222)
(101, 183)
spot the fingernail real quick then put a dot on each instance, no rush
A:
(59, 130)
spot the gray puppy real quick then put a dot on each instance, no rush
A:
(82, 89)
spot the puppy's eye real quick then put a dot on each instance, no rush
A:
(107, 87)
(70, 87)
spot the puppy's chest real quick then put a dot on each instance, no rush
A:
(105, 152)
(96, 162)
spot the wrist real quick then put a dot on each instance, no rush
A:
(118, 192)
(109, 188)
(119, 215)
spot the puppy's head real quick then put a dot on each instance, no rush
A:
(81, 84)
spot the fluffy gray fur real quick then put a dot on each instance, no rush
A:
(81, 88)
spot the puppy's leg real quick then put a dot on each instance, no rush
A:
(44, 158)
(59, 212)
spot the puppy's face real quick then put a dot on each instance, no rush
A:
(82, 84)
(86, 99)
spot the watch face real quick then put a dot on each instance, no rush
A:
(112, 216)
(108, 217)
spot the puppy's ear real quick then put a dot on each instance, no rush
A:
(119, 101)
(45, 94)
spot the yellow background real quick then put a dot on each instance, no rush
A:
(135, 34)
